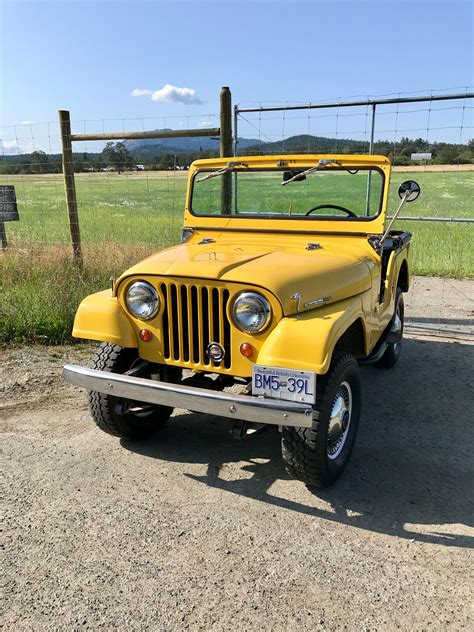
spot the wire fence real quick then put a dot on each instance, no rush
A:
(127, 213)
(141, 204)
(428, 138)
(394, 125)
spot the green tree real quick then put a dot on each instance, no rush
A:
(116, 155)
(447, 155)
(38, 162)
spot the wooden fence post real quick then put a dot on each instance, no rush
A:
(226, 147)
(70, 185)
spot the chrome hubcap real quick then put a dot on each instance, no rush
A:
(340, 420)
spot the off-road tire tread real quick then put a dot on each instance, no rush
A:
(105, 359)
(300, 457)
(108, 358)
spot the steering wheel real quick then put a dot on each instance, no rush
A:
(338, 208)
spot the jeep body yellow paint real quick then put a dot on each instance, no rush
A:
(287, 278)
(321, 274)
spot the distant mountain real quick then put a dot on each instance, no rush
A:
(306, 143)
(156, 146)
(302, 143)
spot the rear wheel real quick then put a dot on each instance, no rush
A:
(394, 349)
(318, 455)
(122, 417)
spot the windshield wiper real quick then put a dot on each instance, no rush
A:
(322, 164)
(230, 167)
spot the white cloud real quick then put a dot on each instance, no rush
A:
(9, 144)
(27, 122)
(141, 93)
(14, 146)
(205, 124)
(178, 95)
(169, 93)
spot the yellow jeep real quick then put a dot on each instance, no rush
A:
(287, 278)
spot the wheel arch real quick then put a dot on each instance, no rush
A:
(308, 341)
(353, 340)
(404, 276)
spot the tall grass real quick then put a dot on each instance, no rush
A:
(40, 292)
(125, 218)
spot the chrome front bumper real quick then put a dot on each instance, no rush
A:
(201, 400)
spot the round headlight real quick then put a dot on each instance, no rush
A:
(251, 312)
(142, 300)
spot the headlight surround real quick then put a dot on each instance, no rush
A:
(251, 312)
(142, 300)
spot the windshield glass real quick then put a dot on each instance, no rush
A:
(356, 193)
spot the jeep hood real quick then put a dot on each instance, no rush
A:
(322, 275)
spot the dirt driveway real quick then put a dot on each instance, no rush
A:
(194, 530)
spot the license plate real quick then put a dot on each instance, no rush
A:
(288, 384)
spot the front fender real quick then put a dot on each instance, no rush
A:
(100, 317)
(307, 342)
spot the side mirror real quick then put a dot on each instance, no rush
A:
(410, 189)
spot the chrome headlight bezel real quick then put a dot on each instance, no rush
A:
(257, 300)
(147, 290)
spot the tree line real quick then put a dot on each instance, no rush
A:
(117, 157)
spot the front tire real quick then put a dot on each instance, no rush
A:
(318, 455)
(117, 416)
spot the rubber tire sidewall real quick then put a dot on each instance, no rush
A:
(349, 373)
(304, 450)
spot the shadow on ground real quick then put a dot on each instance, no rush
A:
(410, 474)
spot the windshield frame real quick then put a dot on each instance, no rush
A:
(297, 217)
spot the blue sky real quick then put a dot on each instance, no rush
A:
(89, 56)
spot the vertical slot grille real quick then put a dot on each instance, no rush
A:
(166, 339)
(173, 313)
(185, 322)
(194, 316)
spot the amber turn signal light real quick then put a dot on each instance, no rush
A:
(145, 335)
(246, 349)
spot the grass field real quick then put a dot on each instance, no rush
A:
(123, 218)
(121, 209)
(148, 211)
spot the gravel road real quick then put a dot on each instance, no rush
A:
(195, 530)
